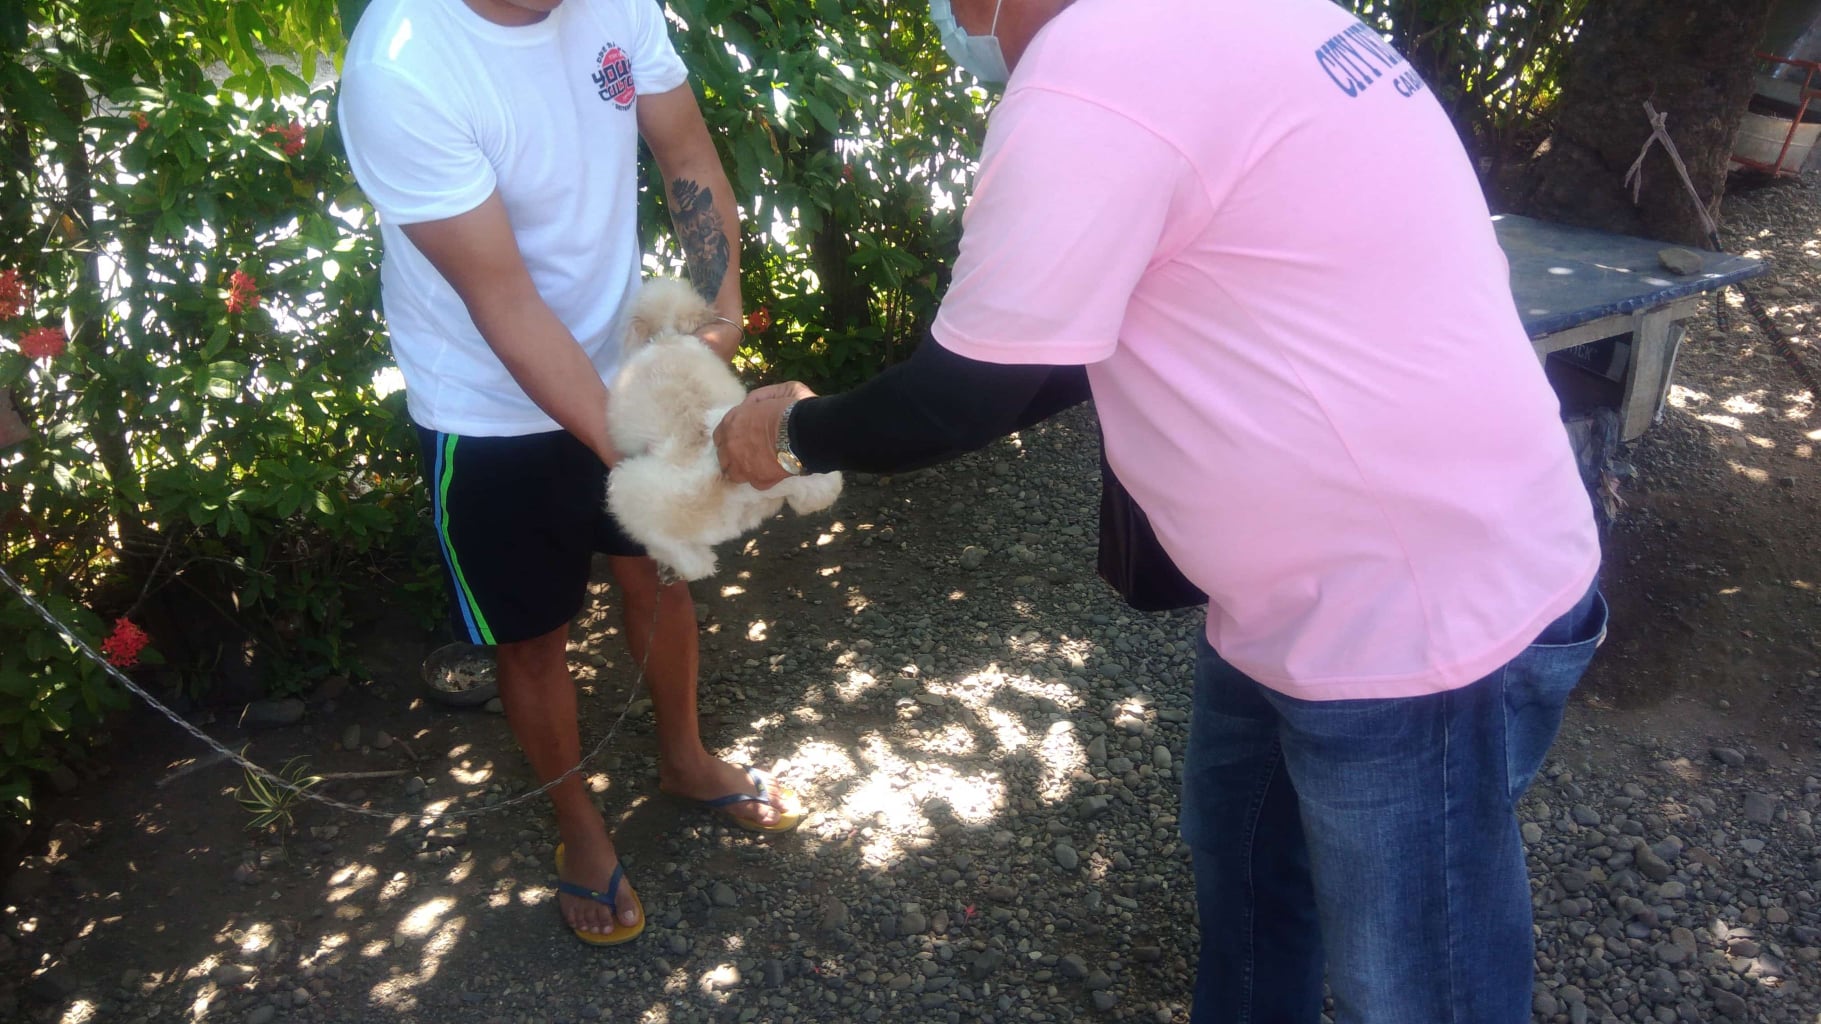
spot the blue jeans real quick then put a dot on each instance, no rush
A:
(1377, 838)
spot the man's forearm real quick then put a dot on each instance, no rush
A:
(554, 372)
(931, 408)
(707, 225)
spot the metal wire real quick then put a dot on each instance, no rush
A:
(426, 819)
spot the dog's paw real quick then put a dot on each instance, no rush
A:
(813, 493)
(689, 561)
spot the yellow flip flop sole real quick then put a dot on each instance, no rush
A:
(621, 933)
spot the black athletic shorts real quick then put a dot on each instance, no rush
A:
(518, 520)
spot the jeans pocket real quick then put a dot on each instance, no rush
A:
(1536, 687)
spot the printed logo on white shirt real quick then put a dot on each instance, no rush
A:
(613, 77)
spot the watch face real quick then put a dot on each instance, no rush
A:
(790, 463)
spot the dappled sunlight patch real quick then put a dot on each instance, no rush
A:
(350, 880)
(394, 887)
(255, 938)
(398, 991)
(892, 791)
(205, 966)
(1681, 397)
(1752, 473)
(1058, 693)
(951, 740)
(857, 684)
(327, 945)
(423, 918)
(1742, 405)
(718, 982)
(1062, 756)
(80, 1012)
(461, 872)
(820, 762)
(1007, 728)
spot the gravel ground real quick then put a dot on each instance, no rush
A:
(992, 744)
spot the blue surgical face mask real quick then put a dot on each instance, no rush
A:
(980, 55)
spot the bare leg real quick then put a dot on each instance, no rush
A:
(540, 707)
(685, 767)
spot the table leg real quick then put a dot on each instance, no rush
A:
(1652, 355)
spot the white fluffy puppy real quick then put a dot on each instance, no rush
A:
(671, 392)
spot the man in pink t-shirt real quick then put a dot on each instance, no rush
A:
(1257, 230)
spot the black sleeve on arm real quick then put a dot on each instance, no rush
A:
(928, 409)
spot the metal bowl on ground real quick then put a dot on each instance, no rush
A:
(461, 675)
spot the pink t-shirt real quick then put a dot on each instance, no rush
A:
(1259, 229)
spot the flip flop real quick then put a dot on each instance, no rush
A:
(621, 932)
(722, 805)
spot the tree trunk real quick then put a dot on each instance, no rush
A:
(1692, 60)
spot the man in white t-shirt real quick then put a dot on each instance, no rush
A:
(498, 139)
(1258, 232)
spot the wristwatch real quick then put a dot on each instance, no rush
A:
(787, 458)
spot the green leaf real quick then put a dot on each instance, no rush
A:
(14, 683)
(823, 113)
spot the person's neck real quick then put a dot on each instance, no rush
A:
(501, 13)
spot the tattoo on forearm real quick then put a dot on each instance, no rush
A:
(703, 234)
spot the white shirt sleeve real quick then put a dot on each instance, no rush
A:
(656, 67)
(415, 159)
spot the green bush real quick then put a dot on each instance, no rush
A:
(1495, 66)
(846, 127)
(209, 454)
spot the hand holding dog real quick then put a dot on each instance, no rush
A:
(746, 439)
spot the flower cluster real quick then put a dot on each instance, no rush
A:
(140, 121)
(43, 342)
(243, 292)
(758, 321)
(123, 646)
(15, 295)
(291, 137)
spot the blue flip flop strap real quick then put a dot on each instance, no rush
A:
(758, 783)
(604, 898)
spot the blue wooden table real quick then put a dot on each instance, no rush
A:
(1574, 287)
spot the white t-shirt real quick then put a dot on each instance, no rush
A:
(439, 107)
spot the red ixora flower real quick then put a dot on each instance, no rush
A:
(759, 320)
(15, 294)
(123, 646)
(141, 121)
(291, 137)
(243, 292)
(43, 342)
